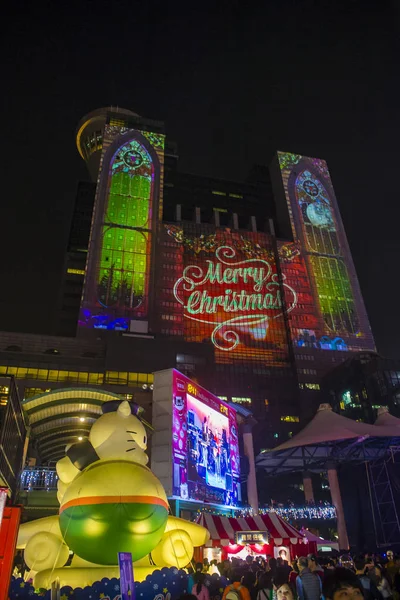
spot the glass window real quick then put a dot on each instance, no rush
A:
(123, 377)
(133, 378)
(32, 373)
(96, 378)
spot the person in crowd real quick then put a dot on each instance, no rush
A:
(206, 565)
(272, 565)
(382, 583)
(283, 590)
(308, 584)
(396, 583)
(225, 568)
(19, 563)
(371, 592)
(315, 567)
(236, 590)
(213, 567)
(252, 565)
(283, 569)
(264, 587)
(294, 572)
(199, 590)
(392, 567)
(342, 584)
(330, 565)
(190, 584)
(249, 582)
(283, 554)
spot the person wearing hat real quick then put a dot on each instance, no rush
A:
(314, 566)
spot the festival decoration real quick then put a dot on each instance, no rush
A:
(209, 244)
(165, 584)
(110, 502)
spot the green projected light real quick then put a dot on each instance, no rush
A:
(330, 273)
(125, 252)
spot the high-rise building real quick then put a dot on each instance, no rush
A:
(75, 261)
(199, 260)
(248, 288)
(330, 320)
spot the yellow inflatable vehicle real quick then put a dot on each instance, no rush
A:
(110, 502)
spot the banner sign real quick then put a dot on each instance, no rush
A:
(251, 537)
(127, 584)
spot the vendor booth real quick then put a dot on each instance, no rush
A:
(265, 535)
(317, 544)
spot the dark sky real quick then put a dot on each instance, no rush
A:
(233, 83)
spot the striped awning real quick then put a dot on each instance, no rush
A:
(222, 529)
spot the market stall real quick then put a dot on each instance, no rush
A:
(263, 534)
(317, 544)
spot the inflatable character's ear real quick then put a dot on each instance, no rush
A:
(124, 409)
(121, 406)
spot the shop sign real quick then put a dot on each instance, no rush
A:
(251, 537)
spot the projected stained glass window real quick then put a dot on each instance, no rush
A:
(123, 269)
(341, 320)
(117, 287)
(330, 272)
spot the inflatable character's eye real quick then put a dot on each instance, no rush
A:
(144, 440)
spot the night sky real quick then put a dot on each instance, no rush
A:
(319, 78)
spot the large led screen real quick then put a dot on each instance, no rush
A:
(205, 445)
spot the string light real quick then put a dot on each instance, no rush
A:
(40, 478)
(324, 512)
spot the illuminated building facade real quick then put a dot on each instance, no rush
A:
(128, 206)
(248, 288)
(206, 268)
(331, 320)
(311, 208)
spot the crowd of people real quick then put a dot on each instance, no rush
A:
(366, 577)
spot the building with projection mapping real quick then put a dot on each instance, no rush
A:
(248, 288)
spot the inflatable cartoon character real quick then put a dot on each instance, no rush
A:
(110, 502)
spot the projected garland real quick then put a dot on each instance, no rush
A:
(234, 297)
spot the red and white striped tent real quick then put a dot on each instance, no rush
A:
(222, 529)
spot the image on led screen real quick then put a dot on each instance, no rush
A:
(208, 459)
(205, 445)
